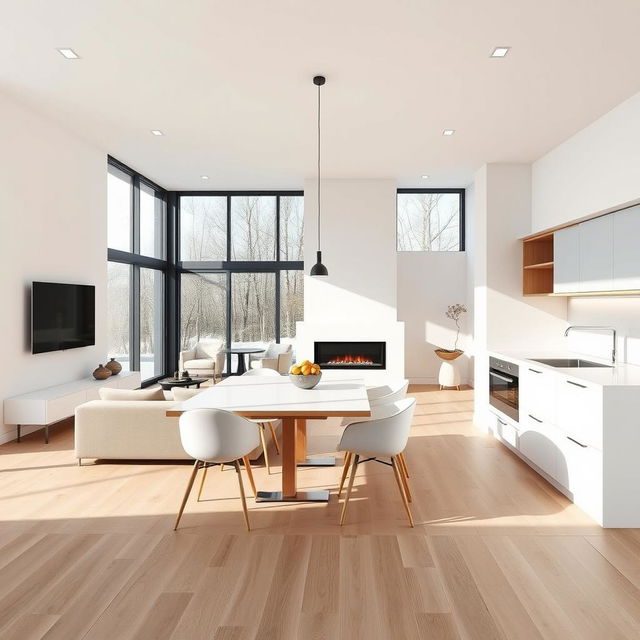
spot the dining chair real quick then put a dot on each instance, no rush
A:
(378, 395)
(384, 435)
(264, 422)
(216, 436)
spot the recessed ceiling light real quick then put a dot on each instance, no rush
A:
(500, 52)
(424, 177)
(157, 132)
(448, 132)
(205, 177)
(69, 54)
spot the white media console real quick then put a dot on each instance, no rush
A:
(47, 406)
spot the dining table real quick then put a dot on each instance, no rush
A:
(273, 397)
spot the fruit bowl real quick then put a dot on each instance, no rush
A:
(305, 382)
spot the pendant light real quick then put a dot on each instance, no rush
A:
(318, 268)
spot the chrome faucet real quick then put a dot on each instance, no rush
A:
(588, 328)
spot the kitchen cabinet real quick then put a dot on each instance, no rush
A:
(579, 410)
(538, 443)
(626, 255)
(537, 393)
(566, 260)
(596, 254)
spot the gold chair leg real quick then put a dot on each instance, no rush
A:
(247, 466)
(264, 447)
(354, 468)
(403, 462)
(401, 489)
(242, 496)
(274, 437)
(196, 466)
(204, 477)
(345, 470)
(403, 476)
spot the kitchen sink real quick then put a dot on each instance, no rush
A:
(571, 363)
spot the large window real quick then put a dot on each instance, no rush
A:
(137, 268)
(430, 220)
(240, 267)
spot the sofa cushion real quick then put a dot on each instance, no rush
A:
(199, 363)
(208, 349)
(181, 394)
(107, 393)
(275, 349)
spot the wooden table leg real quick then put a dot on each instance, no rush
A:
(301, 440)
(289, 466)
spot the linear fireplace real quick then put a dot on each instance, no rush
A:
(350, 355)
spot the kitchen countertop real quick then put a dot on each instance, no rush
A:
(621, 375)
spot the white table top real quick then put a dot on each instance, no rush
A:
(262, 396)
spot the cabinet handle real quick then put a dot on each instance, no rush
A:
(534, 418)
(576, 384)
(534, 371)
(584, 446)
(502, 422)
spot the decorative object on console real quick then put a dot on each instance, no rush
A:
(114, 366)
(305, 374)
(102, 373)
(454, 311)
(318, 268)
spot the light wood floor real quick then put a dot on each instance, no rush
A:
(496, 553)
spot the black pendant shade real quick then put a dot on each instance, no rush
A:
(318, 268)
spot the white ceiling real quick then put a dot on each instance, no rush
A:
(229, 82)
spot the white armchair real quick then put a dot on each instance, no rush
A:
(277, 356)
(206, 359)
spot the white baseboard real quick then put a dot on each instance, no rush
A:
(434, 380)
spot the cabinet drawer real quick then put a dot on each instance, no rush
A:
(64, 406)
(538, 442)
(538, 393)
(579, 411)
(580, 471)
(504, 431)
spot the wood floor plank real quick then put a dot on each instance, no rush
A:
(470, 609)
(322, 584)
(29, 626)
(163, 617)
(437, 626)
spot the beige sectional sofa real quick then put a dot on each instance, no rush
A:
(130, 430)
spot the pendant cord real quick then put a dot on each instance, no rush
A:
(318, 167)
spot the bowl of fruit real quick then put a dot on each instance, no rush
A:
(305, 374)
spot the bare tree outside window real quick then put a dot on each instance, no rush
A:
(253, 228)
(204, 307)
(118, 292)
(203, 228)
(428, 221)
(253, 306)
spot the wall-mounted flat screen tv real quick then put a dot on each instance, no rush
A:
(62, 316)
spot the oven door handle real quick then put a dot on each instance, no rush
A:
(501, 377)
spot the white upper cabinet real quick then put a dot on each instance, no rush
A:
(626, 250)
(596, 254)
(566, 260)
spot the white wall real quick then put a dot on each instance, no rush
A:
(52, 228)
(597, 169)
(427, 283)
(503, 318)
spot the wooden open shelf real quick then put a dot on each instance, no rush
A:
(537, 265)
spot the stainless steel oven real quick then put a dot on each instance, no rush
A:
(503, 387)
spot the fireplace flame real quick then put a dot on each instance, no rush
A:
(349, 359)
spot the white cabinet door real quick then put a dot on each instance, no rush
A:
(596, 254)
(566, 260)
(580, 471)
(579, 411)
(626, 254)
(537, 393)
(538, 442)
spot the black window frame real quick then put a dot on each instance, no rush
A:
(137, 261)
(461, 220)
(229, 266)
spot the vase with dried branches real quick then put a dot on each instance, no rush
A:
(454, 312)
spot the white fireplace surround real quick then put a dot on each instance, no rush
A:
(307, 333)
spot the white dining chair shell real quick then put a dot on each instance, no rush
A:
(261, 372)
(391, 391)
(384, 435)
(217, 436)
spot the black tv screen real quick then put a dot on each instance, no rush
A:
(62, 316)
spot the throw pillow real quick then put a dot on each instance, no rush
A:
(181, 394)
(106, 393)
